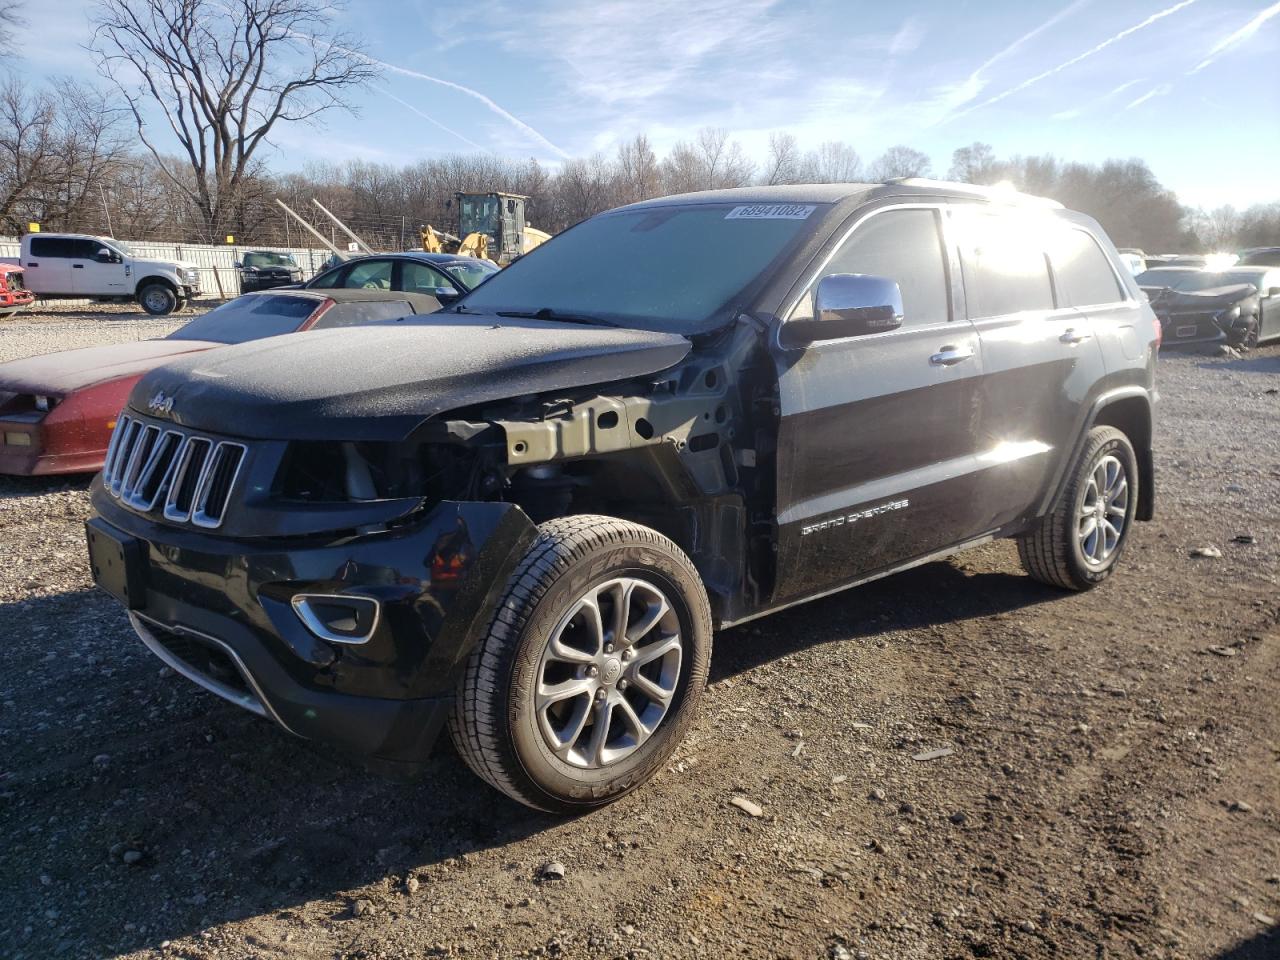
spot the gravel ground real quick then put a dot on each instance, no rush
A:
(1112, 787)
(50, 326)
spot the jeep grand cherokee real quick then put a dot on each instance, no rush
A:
(523, 517)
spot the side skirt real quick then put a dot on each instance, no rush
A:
(917, 562)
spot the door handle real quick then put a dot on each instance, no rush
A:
(77, 266)
(949, 356)
(33, 264)
(1071, 336)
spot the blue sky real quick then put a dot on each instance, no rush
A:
(1193, 86)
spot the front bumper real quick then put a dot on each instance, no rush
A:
(1198, 328)
(221, 612)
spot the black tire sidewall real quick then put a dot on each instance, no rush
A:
(1118, 446)
(566, 786)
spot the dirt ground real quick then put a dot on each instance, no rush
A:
(1112, 790)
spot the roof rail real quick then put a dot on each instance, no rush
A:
(999, 193)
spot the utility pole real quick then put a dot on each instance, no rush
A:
(106, 211)
(342, 226)
(402, 232)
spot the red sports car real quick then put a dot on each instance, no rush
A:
(57, 411)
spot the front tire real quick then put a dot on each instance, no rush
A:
(158, 299)
(592, 668)
(1077, 545)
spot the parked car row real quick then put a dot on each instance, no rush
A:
(57, 411)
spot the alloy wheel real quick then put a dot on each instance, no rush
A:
(1103, 511)
(608, 675)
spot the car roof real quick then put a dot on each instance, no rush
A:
(417, 255)
(837, 192)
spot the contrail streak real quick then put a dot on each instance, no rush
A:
(417, 75)
(410, 107)
(1169, 11)
(506, 115)
(1244, 33)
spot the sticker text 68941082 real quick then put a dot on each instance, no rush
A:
(771, 211)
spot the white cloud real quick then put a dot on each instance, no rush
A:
(908, 37)
(1239, 37)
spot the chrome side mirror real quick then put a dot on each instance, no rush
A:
(850, 305)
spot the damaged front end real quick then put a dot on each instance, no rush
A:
(337, 586)
(1220, 315)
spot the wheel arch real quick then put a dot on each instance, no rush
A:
(156, 278)
(1128, 411)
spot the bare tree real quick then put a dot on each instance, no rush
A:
(223, 74)
(900, 161)
(28, 149)
(638, 175)
(975, 163)
(12, 20)
(783, 164)
(833, 162)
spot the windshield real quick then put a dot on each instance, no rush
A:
(1164, 277)
(250, 317)
(470, 275)
(268, 260)
(666, 268)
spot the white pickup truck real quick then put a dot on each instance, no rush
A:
(78, 265)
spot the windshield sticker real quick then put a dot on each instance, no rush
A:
(771, 211)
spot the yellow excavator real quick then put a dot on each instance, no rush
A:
(490, 226)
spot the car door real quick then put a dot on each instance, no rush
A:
(876, 436)
(371, 273)
(92, 277)
(48, 264)
(1040, 354)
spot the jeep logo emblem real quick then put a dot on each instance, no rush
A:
(611, 670)
(160, 404)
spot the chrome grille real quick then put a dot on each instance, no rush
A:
(192, 476)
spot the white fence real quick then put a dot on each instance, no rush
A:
(218, 274)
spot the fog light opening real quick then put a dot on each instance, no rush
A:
(338, 618)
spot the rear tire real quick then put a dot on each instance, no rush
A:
(1077, 545)
(158, 299)
(591, 670)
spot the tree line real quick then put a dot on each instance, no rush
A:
(219, 75)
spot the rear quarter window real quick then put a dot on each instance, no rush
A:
(1083, 271)
(1002, 258)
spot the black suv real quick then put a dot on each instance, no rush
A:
(524, 516)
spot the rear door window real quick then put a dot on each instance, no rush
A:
(1084, 274)
(901, 245)
(51, 247)
(361, 312)
(1002, 256)
(369, 275)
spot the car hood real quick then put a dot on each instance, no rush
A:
(1207, 298)
(61, 373)
(379, 382)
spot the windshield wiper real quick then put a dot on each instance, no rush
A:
(546, 313)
